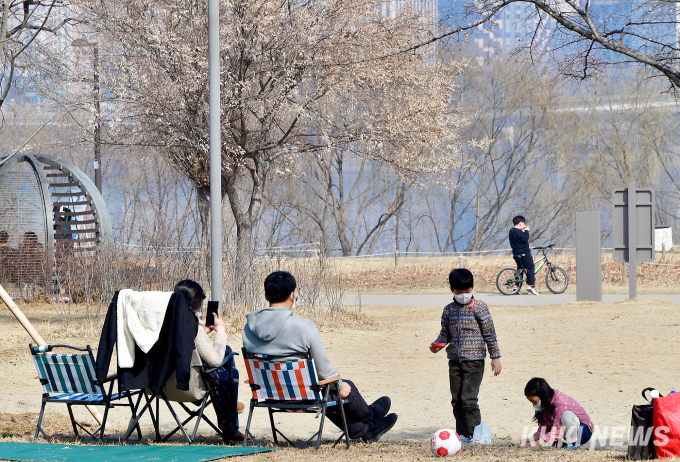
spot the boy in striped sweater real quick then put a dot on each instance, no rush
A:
(467, 330)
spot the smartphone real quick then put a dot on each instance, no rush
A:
(213, 308)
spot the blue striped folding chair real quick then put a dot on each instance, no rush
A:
(70, 379)
(291, 386)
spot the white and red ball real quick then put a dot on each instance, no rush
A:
(445, 443)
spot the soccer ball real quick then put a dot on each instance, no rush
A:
(445, 443)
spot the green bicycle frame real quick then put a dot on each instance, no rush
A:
(538, 264)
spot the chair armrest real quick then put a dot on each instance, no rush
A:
(224, 361)
(327, 381)
(109, 378)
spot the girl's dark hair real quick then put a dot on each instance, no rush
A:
(192, 291)
(539, 387)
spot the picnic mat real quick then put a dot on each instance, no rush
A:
(42, 452)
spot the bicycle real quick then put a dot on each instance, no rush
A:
(509, 281)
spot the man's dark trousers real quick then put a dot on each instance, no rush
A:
(358, 414)
(465, 378)
(525, 261)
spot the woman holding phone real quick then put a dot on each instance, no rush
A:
(211, 353)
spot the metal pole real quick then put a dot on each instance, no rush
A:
(632, 241)
(215, 151)
(97, 122)
(663, 250)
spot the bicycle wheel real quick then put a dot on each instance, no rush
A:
(556, 279)
(509, 281)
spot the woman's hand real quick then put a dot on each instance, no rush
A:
(217, 327)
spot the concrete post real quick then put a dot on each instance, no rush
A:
(588, 257)
(632, 241)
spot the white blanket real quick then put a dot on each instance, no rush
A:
(140, 318)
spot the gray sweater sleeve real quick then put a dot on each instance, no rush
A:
(318, 352)
(211, 353)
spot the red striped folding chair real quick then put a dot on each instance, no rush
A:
(291, 386)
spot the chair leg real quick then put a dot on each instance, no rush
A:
(344, 420)
(250, 416)
(271, 422)
(102, 428)
(134, 421)
(139, 430)
(38, 428)
(73, 420)
(200, 415)
(323, 418)
(174, 415)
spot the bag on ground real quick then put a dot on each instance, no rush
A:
(641, 438)
(667, 426)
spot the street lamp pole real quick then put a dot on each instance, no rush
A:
(215, 151)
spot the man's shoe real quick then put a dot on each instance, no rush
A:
(381, 407)
(532, 290)
(380, 427)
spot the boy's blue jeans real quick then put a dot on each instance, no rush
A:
(465, 378)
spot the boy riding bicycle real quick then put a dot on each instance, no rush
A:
(521, 252)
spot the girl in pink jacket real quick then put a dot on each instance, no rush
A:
(560, 418)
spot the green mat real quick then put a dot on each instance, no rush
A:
(42, 452)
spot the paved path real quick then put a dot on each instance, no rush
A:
(491, 299)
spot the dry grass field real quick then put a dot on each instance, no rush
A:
(428, 275)
(601, 354)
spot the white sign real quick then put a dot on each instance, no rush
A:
(663, 236)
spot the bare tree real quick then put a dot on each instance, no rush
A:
(582, 37)
(286, 87)
(23, 24)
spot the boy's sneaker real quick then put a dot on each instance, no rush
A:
(532, 290)
(465, 439)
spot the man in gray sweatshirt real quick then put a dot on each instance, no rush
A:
(275, 332)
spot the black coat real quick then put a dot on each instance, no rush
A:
(172, 352)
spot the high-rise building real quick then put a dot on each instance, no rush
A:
(428, 11)
(522, 25)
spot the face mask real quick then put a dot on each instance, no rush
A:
(538, 407)
(464, 298)
(294, 302)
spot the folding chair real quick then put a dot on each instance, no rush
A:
(70, 379)
(193, 414)
(290, 386)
